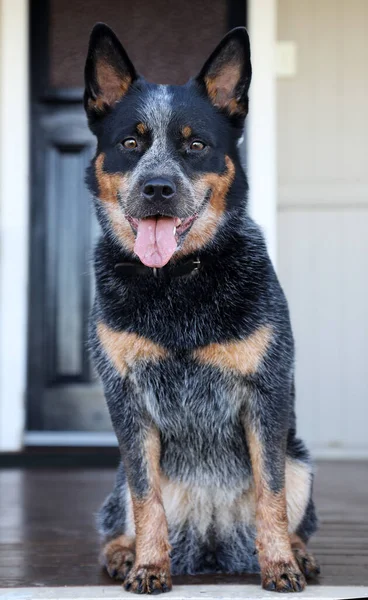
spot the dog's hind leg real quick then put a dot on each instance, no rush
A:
(117, 556)
(114, 525)
(301, 513)
(306, 561)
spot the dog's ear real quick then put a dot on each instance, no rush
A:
(226, 75)
(108, 72)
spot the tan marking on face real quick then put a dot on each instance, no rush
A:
(121, 227)
(243, 356)
(112, 86)
(273, 542)
(125, 349)
(221, 88)
(186, 132)
(110, 185)
(141, 128)
(152, 540)
(205, 227)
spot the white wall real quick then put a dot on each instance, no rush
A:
(262, 119)
(323, 217)
(13, 218)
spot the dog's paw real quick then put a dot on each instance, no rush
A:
(307, 563)
(117, 559)
(283, 577)
(148, 580)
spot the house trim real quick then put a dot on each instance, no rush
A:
(262, 167)
(14, 228)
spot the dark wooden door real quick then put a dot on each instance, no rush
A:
(168, 41)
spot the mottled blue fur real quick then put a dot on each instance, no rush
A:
(201, 412)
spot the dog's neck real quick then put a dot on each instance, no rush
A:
(133, 269)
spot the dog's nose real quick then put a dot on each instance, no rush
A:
(159, 188)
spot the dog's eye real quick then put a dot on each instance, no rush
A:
(197, 146)
(129, 143)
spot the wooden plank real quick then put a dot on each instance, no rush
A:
(47, 535)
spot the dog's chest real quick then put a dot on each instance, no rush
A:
(181, 393)
(197, 410)
(187, 385)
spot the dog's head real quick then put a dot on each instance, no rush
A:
(165, 154)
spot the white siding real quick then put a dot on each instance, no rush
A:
(323, 217)
(13, 219)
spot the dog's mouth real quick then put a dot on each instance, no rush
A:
(158, 236)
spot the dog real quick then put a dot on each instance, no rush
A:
(190, 334)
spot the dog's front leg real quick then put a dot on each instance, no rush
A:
(266, 427)
(139, 443)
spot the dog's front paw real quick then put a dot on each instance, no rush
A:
(283, 577)
(149, 579)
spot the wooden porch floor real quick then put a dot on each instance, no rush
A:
(47, 535)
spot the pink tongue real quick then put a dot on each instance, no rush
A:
(155, 243)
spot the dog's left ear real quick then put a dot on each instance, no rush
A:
(227, 73)
(109, 71)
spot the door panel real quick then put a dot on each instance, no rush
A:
(168, 41)
(70, 232)
(64, 229)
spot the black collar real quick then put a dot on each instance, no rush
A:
(180, 270)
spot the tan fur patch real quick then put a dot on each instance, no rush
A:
(152, 541)
(204, 506)
(141, 128)
(122, 541)
(205, 227)
(243, 356)
(296, 542)
(306, 561)
(298, 482)
(117, 556)
(273, 542)
(121, 227)
(221, 88)
(126, 349)
(186, 132)
(112, 86)
(110, 185)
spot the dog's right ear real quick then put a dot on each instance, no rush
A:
(108, 73)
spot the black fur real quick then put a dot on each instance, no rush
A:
(199, 410)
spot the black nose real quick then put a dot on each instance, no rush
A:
(159, 188)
